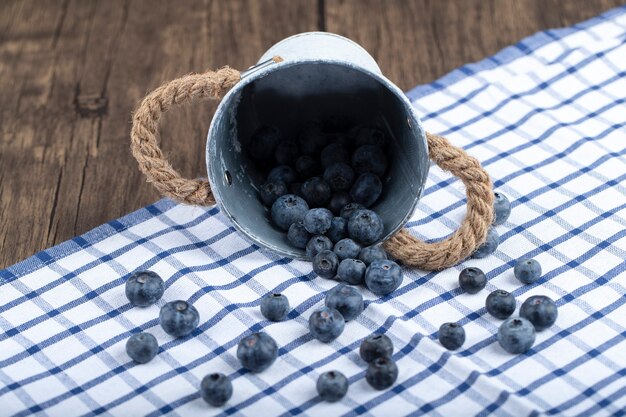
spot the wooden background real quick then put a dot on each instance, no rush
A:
(72, 71)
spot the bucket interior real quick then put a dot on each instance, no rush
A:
(291, 97)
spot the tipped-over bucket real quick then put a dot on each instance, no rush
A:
(321, 76)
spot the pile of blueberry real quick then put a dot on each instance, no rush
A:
(327, 166)
(319, 190)
(328, 214)
(515, 334)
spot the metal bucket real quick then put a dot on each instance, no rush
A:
(322, 75)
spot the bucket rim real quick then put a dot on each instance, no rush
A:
(268, 54)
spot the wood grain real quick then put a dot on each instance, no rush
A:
(416, 42)
(71, 71)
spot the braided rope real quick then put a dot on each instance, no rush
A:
(473, 229)
(411, 251)
(144, 135)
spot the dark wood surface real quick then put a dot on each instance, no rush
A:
(72, 71)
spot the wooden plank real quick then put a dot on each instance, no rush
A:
(72, 71)
(415, 42)
(41, 45)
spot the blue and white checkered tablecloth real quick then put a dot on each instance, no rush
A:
(547, 117)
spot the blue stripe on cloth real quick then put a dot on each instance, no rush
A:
(545, 116)
(415, 311)
(93, 236)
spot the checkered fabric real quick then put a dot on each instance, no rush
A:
(547, 117)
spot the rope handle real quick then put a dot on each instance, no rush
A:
(144, 135)
(402, 246)
(473, 229)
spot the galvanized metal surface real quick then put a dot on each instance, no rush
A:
(322, 46)
(322, 75)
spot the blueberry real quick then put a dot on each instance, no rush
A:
(540, 310)
(326, 324)
(376, 346)
(451, 336)
(263, 142)
(325, 264)
(370, 158)
(339, 201)
(282, 173)
(288, 209)
(365, 227)
(527, 270)
(383, 277)
(338, 229)
(516, 335)
(317, 221)
(307, 167)
(316, 245)
(340, 137)
(257, 352)
(339, 176)
(298, 236)
(333, 154)
(381, 373)
(502, 208)
(179, 318)
(270, 191)
(275, 307)
(286, 152)
(346, 300)
(472, 280)
(312, 140)
(144, 288)
(347, 248)
(332, 386)
(316, 191)
(370, 254)
(350, 209)
(354, 131)
(142, 347)
(351, 271)
(295, 188)
(366, 189)
(500, 304)
(216, 389)
(370, 136)
(337, 123)
(490, 245)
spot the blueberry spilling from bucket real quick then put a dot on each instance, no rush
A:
(332, 190)
(321, 187)
(343, 172)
